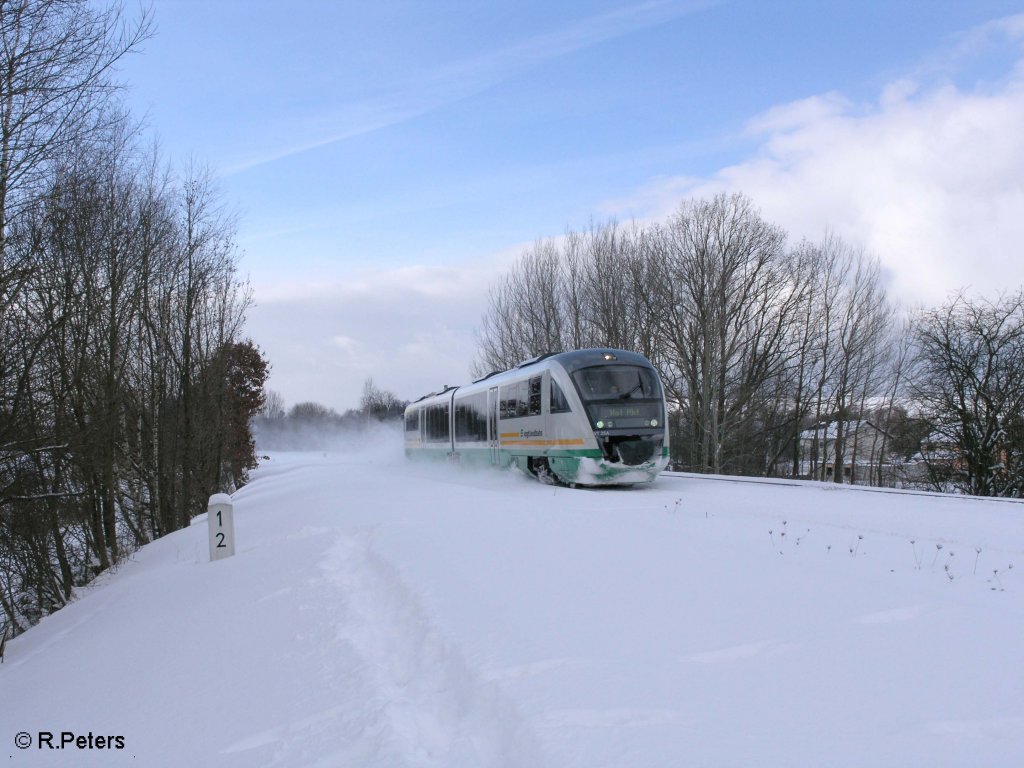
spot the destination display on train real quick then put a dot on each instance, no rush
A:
(625, 414)
(622, 411)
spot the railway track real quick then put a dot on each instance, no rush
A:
(834, 486)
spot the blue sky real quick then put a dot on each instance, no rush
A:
(390, 160)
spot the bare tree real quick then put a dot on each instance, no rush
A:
(845, 336)
(804, 332)
(862, 343)
(526, 316)
(273, 404)
(587, 289)
(724, 309)
(380, 404)
(892, 414)
(57, 62)
(969, 376)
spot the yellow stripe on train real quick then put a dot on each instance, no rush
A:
(563, 442)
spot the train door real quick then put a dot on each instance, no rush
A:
(492, 424)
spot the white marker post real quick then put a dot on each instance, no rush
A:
(221, 519)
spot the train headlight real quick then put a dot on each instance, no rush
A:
(600, 425)
(654, 422)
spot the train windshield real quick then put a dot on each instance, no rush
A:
(617, 382)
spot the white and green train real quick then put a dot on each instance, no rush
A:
(588, 417)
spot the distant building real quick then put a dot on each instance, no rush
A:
(940, 449)
(863, 454)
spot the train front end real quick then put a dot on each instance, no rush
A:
(622, 399)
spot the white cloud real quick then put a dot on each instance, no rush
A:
(930, 177)
(409, 328)
(346, 344)
(787, 117)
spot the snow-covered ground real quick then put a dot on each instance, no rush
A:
(383, 613)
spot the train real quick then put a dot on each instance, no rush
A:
(588, 417)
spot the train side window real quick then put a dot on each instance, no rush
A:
(412, 421)
(558, 402)
(478, 420)
(523, 398)
(534, 396)
(508, 402)
(437, 423)
(514, 400)
(471, 419)
(461, 420)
